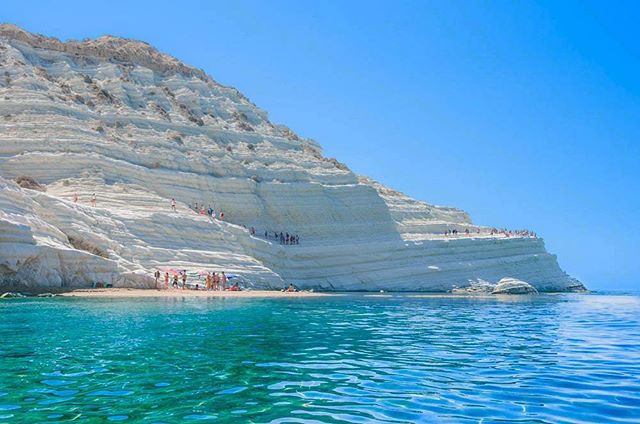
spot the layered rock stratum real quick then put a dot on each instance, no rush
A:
(117, 118)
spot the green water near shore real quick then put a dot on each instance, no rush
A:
(565, 358)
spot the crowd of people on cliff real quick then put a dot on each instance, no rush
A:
(200, 209)
(494, 232)
(283, 237)
(513, 233)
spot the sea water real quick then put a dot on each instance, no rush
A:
(355, 358)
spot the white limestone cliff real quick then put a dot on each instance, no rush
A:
(117, 118)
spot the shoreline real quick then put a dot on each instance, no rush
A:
(132, 293)
(126, 292)
(175, 293)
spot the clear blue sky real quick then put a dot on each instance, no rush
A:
(526, 114)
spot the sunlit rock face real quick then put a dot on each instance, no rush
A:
(117, 118)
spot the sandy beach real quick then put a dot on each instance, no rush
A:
(150, 293)
(128, 293)
(143, 293)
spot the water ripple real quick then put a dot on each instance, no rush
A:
(397, 359)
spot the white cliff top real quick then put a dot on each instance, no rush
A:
(107, 47)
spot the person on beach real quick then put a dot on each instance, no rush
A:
(234, 287)
(209, 281)
(223, 281)
(166, 280)
(221, 216)
(157, 275)
(291, 288)
(175, 281)
(216, 281)
(184, 279)
(173, 204)
(75, 198)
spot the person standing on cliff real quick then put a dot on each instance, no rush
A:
(75, 198)
(93, 199)
(173, 204)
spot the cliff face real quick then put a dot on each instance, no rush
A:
(136, 127)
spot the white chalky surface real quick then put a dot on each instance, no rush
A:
(117, 118)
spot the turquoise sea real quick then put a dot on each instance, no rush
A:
(356, 359)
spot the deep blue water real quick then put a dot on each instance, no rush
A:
(555, 359)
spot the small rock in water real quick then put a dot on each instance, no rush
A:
(10, 295)
(510, 285)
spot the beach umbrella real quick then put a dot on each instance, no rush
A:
(230, 276)
(203, 273)
(171, 271)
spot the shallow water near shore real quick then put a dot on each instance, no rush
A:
(355, 358)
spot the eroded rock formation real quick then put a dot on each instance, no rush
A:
(136, 127)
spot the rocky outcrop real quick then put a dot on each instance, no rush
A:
(506, 285)
(513, 286)
(480, 287)
(136, 127)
